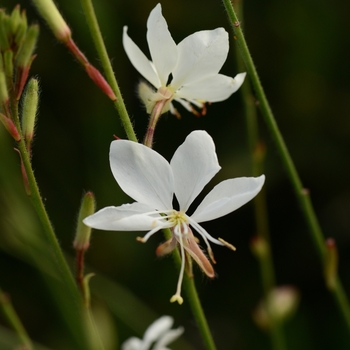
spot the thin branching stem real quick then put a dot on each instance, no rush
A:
(301, 193)
(64, 270)
(107, 67)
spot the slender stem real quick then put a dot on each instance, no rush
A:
(79, 264)
(302, 194)
(60, 261)
(153, 120)
(107, 67)
(13, 319)
(257, 151)
(198, 312)
(194, 300)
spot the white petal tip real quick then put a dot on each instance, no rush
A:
(239, 78)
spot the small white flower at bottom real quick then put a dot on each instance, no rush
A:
(159, 333)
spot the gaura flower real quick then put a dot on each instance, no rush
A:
(151, 181)
(158, 333)
(192, 66)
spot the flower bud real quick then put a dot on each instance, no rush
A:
(25, 58)
(4, 97)
(29, 111)
(10, 127)
(27, 48)
(260, 247)
(4, 30)
(100, 81)
(15, 20)
(52, 16)
(22, 29)
(83, 232)
(279, 305)
(331, 263)
(8, 64)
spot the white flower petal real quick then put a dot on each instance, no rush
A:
(139, 60)
(157, 329)
(128, 217)
(214, 88)
(193, 164)
(161, 45)
(168, 338)
(142, 173)
(200, 55)
(132, 343)
(228, 196)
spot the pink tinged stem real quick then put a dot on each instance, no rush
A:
(21, 77)
(80, 268)
(10, 127)
(92, 72)
(24, 175)
(156, 113)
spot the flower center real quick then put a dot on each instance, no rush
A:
(166, 92)
(179, 221)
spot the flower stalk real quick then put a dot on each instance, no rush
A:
(107, 67)
(153, 120)
(260, 245)
(301, 193)
(62, 32)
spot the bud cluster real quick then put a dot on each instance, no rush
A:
(17, 45)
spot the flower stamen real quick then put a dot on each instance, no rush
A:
(177, 296)
(228, 245)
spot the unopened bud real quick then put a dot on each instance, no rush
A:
(10, 127)
(279, 306)
(54, 19)
(4, 97)
(100, 81)
(22, 29)
(15, 19)
(259, 152)
(83, 232)
(331, 263)
(27, 48)
(260, 247)
(29, 111)
(8, 65)
(25, 58)
(4, 29)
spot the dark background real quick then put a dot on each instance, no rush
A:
(301, 52)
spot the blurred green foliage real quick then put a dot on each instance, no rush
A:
(300, 49)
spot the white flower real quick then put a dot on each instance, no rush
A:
(151, 181)
(159, 333)
(194, 65)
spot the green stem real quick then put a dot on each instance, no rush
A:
(14, 320)
(198, 312)
(107, 67)
(257, 151)
(194, 301)
(302, 194)
(63, 268)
